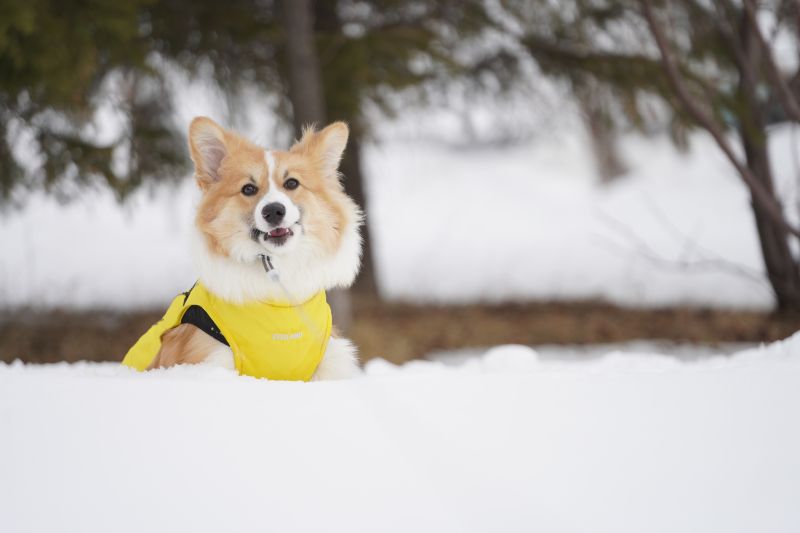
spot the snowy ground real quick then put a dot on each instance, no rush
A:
(451, 224)
(503, 442)
(578, 353)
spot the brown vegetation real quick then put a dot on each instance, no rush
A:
(399, 332)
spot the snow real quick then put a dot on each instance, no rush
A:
(508, 441)
(531, 223)
(451, 224)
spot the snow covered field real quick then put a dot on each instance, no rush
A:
(504, 442)
(451, 224)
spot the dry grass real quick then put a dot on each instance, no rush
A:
(402, 332)
(399, 332)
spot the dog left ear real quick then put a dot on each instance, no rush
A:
(326, 145)
(208, 148)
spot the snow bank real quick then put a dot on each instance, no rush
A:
(505, 442)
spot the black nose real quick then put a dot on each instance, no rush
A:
(273, 213)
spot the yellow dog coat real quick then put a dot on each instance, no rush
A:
(269, 340)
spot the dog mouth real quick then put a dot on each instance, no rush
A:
(277, 236)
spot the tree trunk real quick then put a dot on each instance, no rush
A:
(327, 22)
(602, 136)
(354, 183)
(305, 77)
(308, 104)
(782, 269)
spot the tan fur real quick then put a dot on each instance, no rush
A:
(183, 344)
(223, 210)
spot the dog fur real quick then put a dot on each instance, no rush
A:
(322, 252)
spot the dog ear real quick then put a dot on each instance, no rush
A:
(208, 149)
(332, 141)
(327, 145)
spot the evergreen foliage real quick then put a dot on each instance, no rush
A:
(61, 61)
(58, 60)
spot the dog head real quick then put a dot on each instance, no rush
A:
(286, 205)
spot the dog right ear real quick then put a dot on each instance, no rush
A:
(207, 148)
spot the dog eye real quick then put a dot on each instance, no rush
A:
(249, 189)
(291, 184)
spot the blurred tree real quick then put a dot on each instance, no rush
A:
(709, 61)
(607, 82)
(371, 50)
(729, 38)
(306, 91)
(59, 62)
(597, 108)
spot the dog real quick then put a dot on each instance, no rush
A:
(274, 230)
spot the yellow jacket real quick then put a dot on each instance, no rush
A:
(277, 341)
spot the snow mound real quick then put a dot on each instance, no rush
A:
(504, 442)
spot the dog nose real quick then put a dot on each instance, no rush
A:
(273, 213)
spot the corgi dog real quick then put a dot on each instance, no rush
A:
(274, 230)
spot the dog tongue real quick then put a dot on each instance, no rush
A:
(279, 232)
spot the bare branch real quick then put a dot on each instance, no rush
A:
(710, 124)
(639, 246)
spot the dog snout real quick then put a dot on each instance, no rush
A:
(273, 213)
